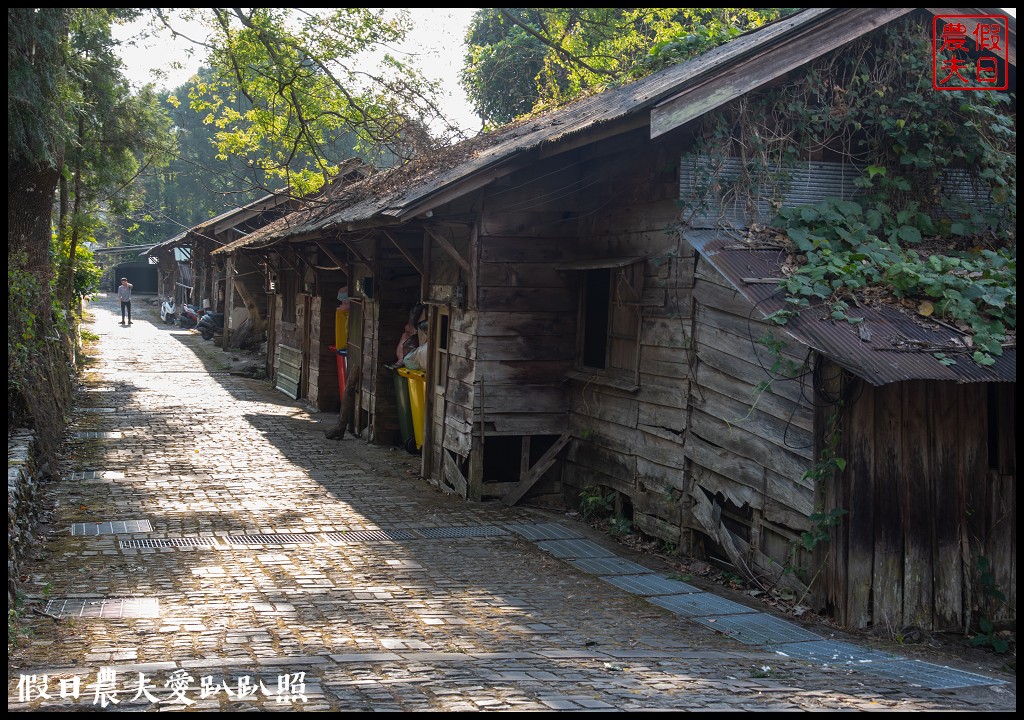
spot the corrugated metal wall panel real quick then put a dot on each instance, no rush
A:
(289, 370)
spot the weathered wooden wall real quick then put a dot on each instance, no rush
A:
(520, 343)
(748, 444)
(632, 440)
(930, 487)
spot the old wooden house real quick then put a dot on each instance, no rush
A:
(187, 271)
(595, 309)
(283, 288)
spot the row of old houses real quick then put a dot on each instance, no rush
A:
(581, 337)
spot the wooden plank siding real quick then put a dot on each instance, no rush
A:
(633, 440)
(923, 503)
(750, 434)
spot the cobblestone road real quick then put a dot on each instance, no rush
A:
(284, 571)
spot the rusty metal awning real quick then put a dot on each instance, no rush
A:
(889, 345)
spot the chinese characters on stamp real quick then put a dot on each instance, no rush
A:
(970, 52)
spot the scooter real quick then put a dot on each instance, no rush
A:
(210, 324)
(168, 311)
(188, 317)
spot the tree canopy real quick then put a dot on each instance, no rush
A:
(528, 59)
(286, 84)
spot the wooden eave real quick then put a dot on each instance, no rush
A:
(765, 64)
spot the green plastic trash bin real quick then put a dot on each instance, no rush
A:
(404, 409)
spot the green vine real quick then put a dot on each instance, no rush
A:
(932, 226)
(987, 635)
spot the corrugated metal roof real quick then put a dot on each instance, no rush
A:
(394, 194)
(892, 344)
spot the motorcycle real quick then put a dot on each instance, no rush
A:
(188, 317)
(210, 324)
(168, 311)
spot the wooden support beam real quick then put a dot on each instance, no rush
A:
(288, 262)
(334, 258)
(405, 253)
(448, 247)
(355, 251)
(535, 473)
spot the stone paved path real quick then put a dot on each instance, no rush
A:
(285, 571)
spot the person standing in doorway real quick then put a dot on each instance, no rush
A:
(124, 294)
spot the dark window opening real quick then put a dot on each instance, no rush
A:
(595, 317)
(611, 319)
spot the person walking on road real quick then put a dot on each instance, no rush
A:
(124, 294)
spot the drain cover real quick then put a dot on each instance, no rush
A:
(833, 652)
(278, 539)
(574, 549)
(700, 604)
(462, 532)
(169, 542)
(104, 607)
(96, 476)
(609, 566)
(757, 629)
(91, 435)
(650, 585)
(543, 531)
(97, 410)
(356, 536)
(936, 677)
(113, 527)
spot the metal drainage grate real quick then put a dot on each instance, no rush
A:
(278, 539)
(757, 629)
(833, 652)
(91, 435)
(114, 527)
(935, 677)
(169, 542)
(543, 531)
(356, 536)
(609, 566)
(95, 476)
(574, 549)
(97, 410)
(104, 607)
(649, 585)
(462, 532)
(700, 604)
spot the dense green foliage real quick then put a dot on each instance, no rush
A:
(117, 134)
(502, 63)
(38, 378)
(528, 59)
(286, 86)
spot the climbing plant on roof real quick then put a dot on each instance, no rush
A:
(933, 225)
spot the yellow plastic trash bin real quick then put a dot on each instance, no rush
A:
(341, 329)
(417, 401)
